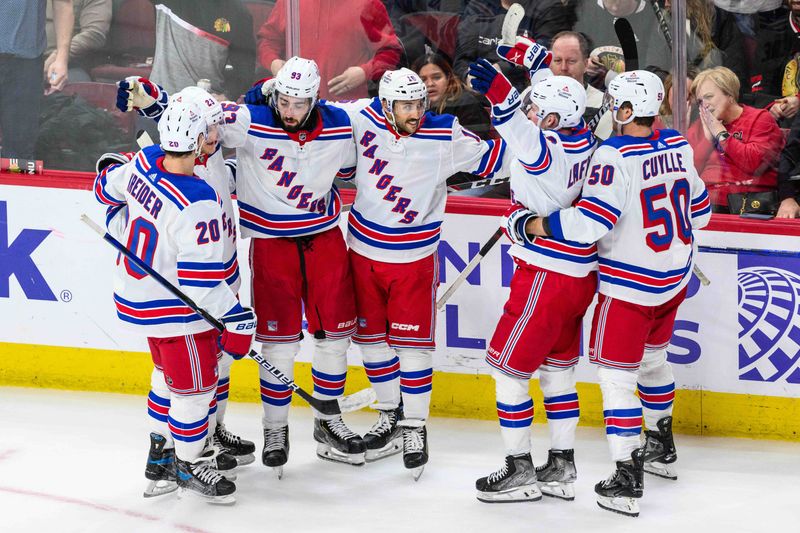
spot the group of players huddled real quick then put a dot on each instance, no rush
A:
(623, 211)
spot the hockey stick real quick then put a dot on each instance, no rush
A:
(663, 25)
(143, 139)
(627, 41)
(469, 268)
(477, 184)
(351, 402)
(511, 22)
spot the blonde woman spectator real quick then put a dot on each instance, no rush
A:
(736, 147)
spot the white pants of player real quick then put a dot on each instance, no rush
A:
(413, 383)
(328, 368)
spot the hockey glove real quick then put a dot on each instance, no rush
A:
(259, 92)
(498, 90)
(526, 53)
(239, 331)
(514, 222)
(112, 158)
(142, 95)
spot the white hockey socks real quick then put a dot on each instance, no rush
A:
(329, 370)
(656, 387)
(416, 382)
(515, 412)
(158, 404)
(223, 383)
(622, 411)
(188, 423)
(382, 366)
(275, 396)
(560, 405)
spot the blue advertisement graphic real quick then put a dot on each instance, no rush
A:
(15, 259)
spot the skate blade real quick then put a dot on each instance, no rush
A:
(278, 471)
(328, 453)
(416, 473)
(620, 504)
(662, 470)
(244, 460)
(159, 488)
(357, 400)
(215, 500)
(393, 448)
(525, 493)
(230, 475)
(557, 489)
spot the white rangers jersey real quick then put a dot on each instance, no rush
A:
(174, 224)
(285, 186)
(401, 180)
(641, 201)
(547, 175)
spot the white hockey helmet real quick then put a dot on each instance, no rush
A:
(212, 109)
(298, 78)
(562, 95)
(402, 84)
(641, 88)
(180, 126)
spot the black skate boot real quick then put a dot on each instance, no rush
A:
(558, 475)
(385, 437)
(514, 482)
(415, 446)
(276, 449)
(336, 442)
(201, 480)
(241, 450)
(221, 461)
(620, 492)
(659, 450)
(160, 469)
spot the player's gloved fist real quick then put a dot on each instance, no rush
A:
(141, 94)
(498, 90)
(526, 53)
(514, 222)
(112, 158)
(239, 331)
(259, 92)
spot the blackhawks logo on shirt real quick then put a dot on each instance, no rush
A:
(222, 25)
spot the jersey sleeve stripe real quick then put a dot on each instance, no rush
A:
(100, 192)
(492, 160)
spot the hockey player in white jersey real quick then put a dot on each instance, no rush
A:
(405, 156)
(174, 223)
(641, 202)
(210, 166)
(553, 284)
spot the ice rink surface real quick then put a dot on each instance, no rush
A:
(74, 462)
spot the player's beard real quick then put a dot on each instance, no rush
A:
(410, 126)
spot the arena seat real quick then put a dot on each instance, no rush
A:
(131, 41)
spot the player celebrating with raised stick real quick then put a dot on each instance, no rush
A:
(554, 281)
(641, 202)
(173, 223)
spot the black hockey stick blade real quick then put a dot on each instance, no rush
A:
(627, 41)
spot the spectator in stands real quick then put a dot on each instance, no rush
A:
(665, 118)
(22, 46)
(789, 172)
(779, 56)
(570, 58)
(204, 39)
(736, 147)
(448, 94)
(92, 21)
(352, 41)
(480, 31)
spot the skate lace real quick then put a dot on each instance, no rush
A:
(338, 427)
(274, 438)
(386, 419)
(499, 474)
(412, 440)
(226, 437)
(206, 473)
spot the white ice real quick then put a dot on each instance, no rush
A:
(74, 462)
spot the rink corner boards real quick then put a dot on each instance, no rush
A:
(697, 412)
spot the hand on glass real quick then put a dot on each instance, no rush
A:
(347, 81)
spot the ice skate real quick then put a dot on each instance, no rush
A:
(221, 461)
(337, 443)
(276, 449)
(415, 446)
(557, 477)
(620, 492)
(160, 469)
(659, 450)
(241, 450)
(201, 480)
(514, 482)
(385, 437)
